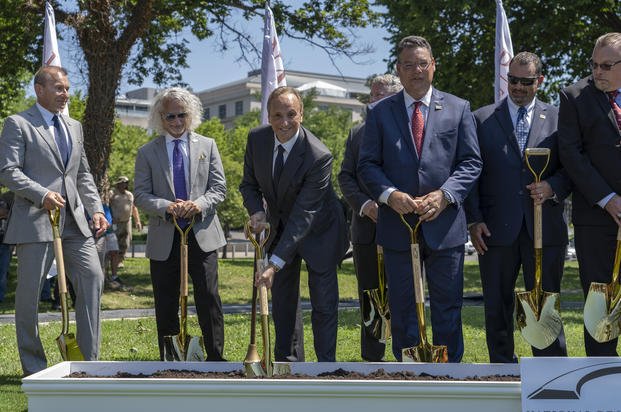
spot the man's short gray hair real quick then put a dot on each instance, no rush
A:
(609, 39)
(389, 81)
(190, 103)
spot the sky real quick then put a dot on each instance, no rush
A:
(209, 67)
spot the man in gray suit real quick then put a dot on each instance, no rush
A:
(42, 161)
(499, 209)
(289, 168)
(179, 174)
(364, 217)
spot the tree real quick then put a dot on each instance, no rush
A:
(150, 38)
(462, 33)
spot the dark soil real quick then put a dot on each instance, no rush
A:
(339, 374)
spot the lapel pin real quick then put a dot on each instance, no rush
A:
(542, 116)
(438, 106)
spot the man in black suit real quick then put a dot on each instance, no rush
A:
(364, 216)
(590, 149)
(289, 168)
(500, 207)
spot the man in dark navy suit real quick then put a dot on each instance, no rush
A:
(500, 207)
(364, 216)
(420, 158)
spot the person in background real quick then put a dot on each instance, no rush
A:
(124, 212)
(364, 216)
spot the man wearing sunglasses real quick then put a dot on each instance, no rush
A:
(500, 207)
(590, 149)
(179, 174)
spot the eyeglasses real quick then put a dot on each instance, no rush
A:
(604, 66)
(171, 116)
(525, 81)
(422, 66)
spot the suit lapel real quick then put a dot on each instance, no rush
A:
(436, 104)
(402, 120)
(194, 152)
(36, 119)
(73, 131)
(293, 163)
(504, 119)
(162, 159)
(602, 100)
(539, 118)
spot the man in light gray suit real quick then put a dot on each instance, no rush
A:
(179, 174)
(42, 161)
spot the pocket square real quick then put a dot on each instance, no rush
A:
(202, 156)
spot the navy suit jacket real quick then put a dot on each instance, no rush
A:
(590, 148)
(450, 160)
(304, 208)
(500, 198)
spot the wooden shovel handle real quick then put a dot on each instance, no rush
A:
(419, 293)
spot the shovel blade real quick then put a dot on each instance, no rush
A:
(602, 324)
(252, 362)
(425, 353)
(281, 368)
(195, 351)
(173, 350)
(69, 349)
(176, 351)
(540, 328)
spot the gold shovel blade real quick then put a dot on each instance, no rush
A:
(378, 322)
(252, 362)
(195, 351)
(602, 324)
(425, 353)
(69, 349)
(540, 328)
(173, 349)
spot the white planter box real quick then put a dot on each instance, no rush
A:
(48, 390)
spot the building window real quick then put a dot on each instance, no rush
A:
(206, 114)
(222, 111)
(239, 108)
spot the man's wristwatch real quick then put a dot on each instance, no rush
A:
(447, 196)
(273, 266)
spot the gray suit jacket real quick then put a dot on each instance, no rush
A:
(304, 208)
(500, 198)
(154, 191)
(30, 166)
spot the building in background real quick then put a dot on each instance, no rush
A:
(133, 108)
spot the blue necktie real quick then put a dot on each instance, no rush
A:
(279, 165)
(521, 129)
(61, 140)
(181, 191)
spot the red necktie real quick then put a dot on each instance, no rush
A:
(418, 126)
(615, 107)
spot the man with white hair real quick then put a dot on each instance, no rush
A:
(179, 174)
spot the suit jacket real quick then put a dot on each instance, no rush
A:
(450, 160)
(352, 187)
(154, 191)
(304, 209)
(500, 198)
(590, 149)
(30, 166)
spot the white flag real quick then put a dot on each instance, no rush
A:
(503, 53)
(51, 55)
(272, 68)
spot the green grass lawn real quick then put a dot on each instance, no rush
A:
(135, 339)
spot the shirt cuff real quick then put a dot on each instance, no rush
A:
(386, 194)
(602, 203)
(276, 261)
(449, 196)
(361, 213)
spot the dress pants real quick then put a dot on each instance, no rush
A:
(365, 263)
(499, 268)
(595, 248)
(82, 268)
(445, 281)
(323, 289)
(203, 271)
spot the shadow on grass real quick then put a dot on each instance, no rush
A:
(11, 396)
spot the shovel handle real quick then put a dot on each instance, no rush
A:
(418, 274)
(263, 305)
(617, 264)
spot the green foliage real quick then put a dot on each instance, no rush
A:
(462, 34)
(126, 140)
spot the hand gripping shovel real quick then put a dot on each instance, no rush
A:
(424, 351)
(252, 362)
(602, 311)
(183, 347)
(67, 343)
(538, 312)
(378, 300)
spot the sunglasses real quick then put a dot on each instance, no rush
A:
(171, 116)
(604, 66)
(525, 81)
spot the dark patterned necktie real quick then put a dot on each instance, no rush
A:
(279, 165)
(521, 129)
(418, 128)
(61, 140)
(615, 107)
(181, 191)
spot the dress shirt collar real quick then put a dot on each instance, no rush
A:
(47, 115)
(513, 108)
(409, 100)
(287, 145)
(183, 138)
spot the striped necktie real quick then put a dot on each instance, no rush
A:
(615, 107)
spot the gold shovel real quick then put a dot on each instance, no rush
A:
(378, 300)
(67, 343)
(252, 362)
(537, 311)
(602, 311)
(424, 351)
(183, 347)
